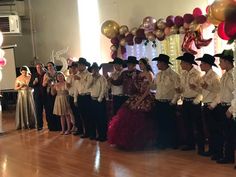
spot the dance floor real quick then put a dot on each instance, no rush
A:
(29, 153)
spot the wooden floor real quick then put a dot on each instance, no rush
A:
(30, 153)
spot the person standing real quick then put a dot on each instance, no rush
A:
(39, 94)
(166, 99)
(117, 91)
(225, 136)
(82, 96)
(70, 82)
(190, 88)
(210, 91)
(25, 107)
(128, 78)
(98, 90)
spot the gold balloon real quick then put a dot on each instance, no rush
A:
(174, 30)
(161, 24)
(194, 26)
(159, 33)
(110, 29)
(133, 31)
(182, 30)
(150, 36)
(122, 42)
(123, 29)
(218, 9)
(113, 48)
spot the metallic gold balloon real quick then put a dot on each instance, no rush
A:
(122, 42)
(182, 30)
(159, 33)
(218, 9)
(123, 29)
(150, 36)
(161, 24)
(174, 29)
(113, 48)
(194, 26)
(133, 31)
(110, 29)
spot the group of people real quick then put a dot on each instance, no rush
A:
(144, 108)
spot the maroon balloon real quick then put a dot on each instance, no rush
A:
(188, 18)
(201, 19)
(179, 21)
(140, 33)
(170, 21)
(161, 39)
(114, 55)
(230, 13)
(230, 29)
(129, 38)
(115, 41)
(221, 31)
(197, 12)
(130, 43)
(138, 40)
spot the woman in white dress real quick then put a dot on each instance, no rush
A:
(25, 108)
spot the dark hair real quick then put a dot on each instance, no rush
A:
(25, 68)
(50, 62)
(146, 63)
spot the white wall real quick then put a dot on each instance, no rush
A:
(56, 23)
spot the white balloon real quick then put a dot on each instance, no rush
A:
(1, 38)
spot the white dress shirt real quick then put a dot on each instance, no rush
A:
(116, 90)
(211, 92)
(98, 88)
(81, 86)
(70, 80)
(191, 77)
(165, 84)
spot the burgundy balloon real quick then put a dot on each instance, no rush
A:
(221, 31)
(179, 21)
(130, 43)
(129, 38)
(161, 38)
(114, 55)
(201, 19)
(188, 18)
(138, 40)
(197, 12)
(230, 13)
(140, 33)
(230, 29)
(170, 21)
(115, 41)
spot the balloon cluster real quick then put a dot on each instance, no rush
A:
(222, 13)
(151, 30)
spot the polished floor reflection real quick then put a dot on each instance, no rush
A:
(29, 153)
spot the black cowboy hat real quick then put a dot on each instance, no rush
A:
(132, 59)
(83, 61)
(162, 57)
(187, 57)
(119, 61)
(227, 55)
(207, 58)
(94, 66)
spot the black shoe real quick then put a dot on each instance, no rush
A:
(225, 161)
(39, 128)
(84, 136)
(215, 157)
(92, 138)
(187, 148)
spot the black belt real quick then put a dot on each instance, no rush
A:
(164, 100)
(225, 104)
(189, 99)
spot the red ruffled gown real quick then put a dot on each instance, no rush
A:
(134, 128)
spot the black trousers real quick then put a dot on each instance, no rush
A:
(84, 106)
(117, 102)
(226, 133)
(75, 111)
(193, 125)
(99, 119)
(39, 105)
(53, 121)
(209, 117)
(166, 124)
